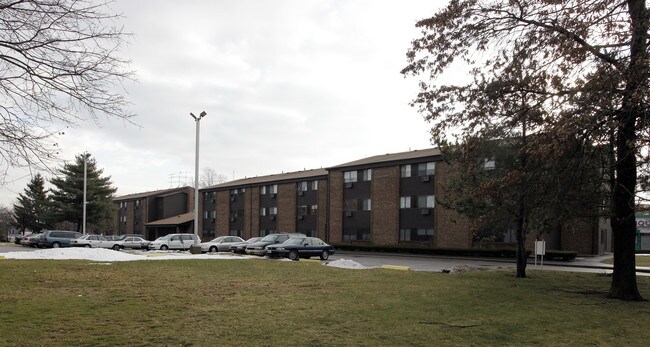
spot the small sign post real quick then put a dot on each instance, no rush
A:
(540, 250)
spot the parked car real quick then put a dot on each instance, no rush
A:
(241, 247)
(57, 238)
(31, 240)
(133, 242)
(301, 247)
(258, 248)
(122, 237)
(220, 244)
(93, 241)
(112, 237)
(174, 241)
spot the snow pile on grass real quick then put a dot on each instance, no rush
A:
(107, 255)
(346, 264)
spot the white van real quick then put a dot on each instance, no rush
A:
(174, 241)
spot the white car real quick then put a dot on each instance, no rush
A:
(220, 244)
(174, 241)
(94, 241)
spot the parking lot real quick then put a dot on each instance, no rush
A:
(411, 262)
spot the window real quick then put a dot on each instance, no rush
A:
(302, 210)
(205, 214)
(350, 176)
(405, 171)
(314, 185)
(311, 233)
(273, 211)
(137, 203)
(264, 232)
(425, 201)
(352, 234)
(489, 164)
(405, 202)
(367, 174)
(208, 232)
(313, 209)
(235, 232)
(273, 189)
(263, 211)
(214, 214)
(416, 234)
(426, 169)
(302, 186)
(366, 205)
(262, 190)
(350, 205)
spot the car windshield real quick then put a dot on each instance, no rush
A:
(269, 238)
(218, 239)
(163, 238)
(251, 240)
(294, 241)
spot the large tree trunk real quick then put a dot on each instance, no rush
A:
(522, 257)
(624, 285)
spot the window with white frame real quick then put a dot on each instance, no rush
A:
(426, 169)
(262, 190)
(313, 209)
(350, 176)
(273, 189)
(425, 201)
(405, 170)
(314, 185)
(302, 186)
(405, 202)
(367, 174)
(263, 211)
(273, 211)
(366, 204)
(489, 164)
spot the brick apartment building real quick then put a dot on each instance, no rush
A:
(155, 213)
(391, 199)
(288, 202)
(381, 200)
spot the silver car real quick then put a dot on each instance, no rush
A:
(220, 244)
(93, 241)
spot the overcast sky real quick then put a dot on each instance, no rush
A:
(287, 86)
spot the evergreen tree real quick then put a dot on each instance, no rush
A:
(33, 209)
(68, 193)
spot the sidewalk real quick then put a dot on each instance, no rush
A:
(594, 262)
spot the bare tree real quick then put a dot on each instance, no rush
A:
(210, 177)
(587, 66)
(58, 67)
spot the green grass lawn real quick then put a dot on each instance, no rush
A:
(257, 303)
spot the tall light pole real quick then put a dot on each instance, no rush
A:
(197, 120)
(85, 189)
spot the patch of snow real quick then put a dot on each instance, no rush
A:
(108, 255)
(346, 264)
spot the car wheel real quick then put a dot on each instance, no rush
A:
(88, 246)
(214, 249)
(164, 248)
(56, 245)
(324, 255)
(293, 255)
(116, 247)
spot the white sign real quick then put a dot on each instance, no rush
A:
(540, 247)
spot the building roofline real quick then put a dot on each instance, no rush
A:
(274, 178)
(150, 193)
(391, 158)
